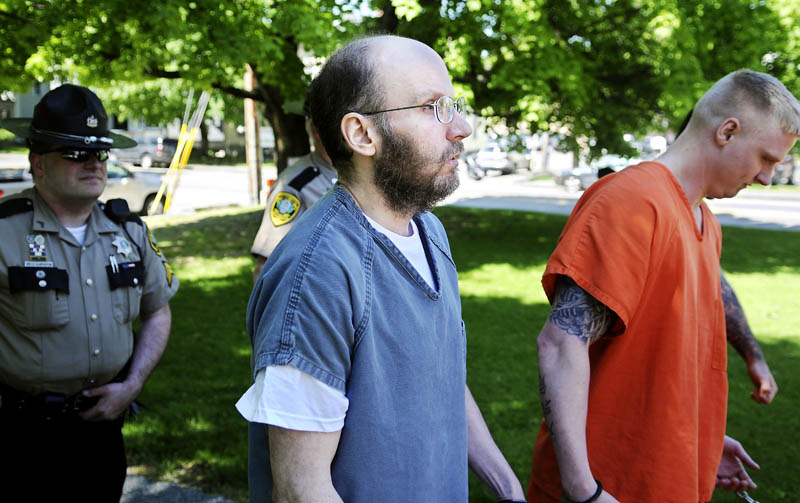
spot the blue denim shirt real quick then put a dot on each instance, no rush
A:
(338, 301)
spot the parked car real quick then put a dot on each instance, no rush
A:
(13, 180)
(582, 177)
(470, 166)
(494, 157)
(577, 178)
(138, 188)
(149, 151)
(787, 172)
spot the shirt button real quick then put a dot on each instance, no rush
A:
(91, 381)
(83, 248)
(96, 352)
(93, 317)
(135, 281)
(42, 283)
(89, 281)
(41, 274)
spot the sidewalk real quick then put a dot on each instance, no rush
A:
(139, 489)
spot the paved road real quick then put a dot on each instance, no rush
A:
(218, 186)
(762, 208)
(139, 489)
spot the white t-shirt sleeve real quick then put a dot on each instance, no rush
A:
(286, 397)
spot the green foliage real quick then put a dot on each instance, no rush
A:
(594, 70)
(191, 432)
(589, 70)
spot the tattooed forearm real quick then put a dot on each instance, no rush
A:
(577, 313)
(736, 327)
(546, 409)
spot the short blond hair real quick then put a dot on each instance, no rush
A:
(749, 93)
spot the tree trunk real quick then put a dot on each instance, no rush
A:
(291, 139)
(389, 21)
(203, 138)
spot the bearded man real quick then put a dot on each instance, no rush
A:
(359, 348)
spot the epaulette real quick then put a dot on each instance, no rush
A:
(15, 206)
(303, 178)
(118, 211)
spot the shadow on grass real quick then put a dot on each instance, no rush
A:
(190, 430)
(521, 239)
(760, 251)
(213, 236)
(768, 432)
(502, 373)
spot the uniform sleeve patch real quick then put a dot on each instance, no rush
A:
(284, 209)
(152, 240)
(168, 271)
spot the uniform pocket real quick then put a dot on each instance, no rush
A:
(42, 310)
(125, 302)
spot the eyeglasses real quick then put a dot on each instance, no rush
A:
(75, 155)
(444, 108)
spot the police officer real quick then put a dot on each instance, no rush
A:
(74, 276)
(297, 188)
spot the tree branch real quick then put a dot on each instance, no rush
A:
(233, 91)
(238, 93)
(164, 74)
(14, 17)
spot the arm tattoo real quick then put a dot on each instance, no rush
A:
(736, 328)
(546, 409)
(577, 313)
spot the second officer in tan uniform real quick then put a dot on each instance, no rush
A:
(297, 188)
(74, 277)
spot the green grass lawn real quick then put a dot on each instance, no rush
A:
(192, 433)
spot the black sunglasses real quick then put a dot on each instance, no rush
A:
(76, 155)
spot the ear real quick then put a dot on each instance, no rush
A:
(37, 164)
(729, 128)
(359, 134)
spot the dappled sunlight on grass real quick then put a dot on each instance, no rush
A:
(771, 302)
(244, 351)
(497, 407)
(504, 280)
(206, 268)
(197, 424)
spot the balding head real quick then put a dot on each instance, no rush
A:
(358, 78)
(752, 97)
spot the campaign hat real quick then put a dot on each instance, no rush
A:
(71, 116)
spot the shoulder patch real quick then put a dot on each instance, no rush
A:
(15, 206)
(284, 208)
(152, 240)
(302, 179)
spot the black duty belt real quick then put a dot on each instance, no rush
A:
(48, 406)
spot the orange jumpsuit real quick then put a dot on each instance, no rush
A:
(658, 389)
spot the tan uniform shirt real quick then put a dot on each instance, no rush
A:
(287, 202)
(63, 328)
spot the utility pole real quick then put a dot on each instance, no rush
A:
(252, 140)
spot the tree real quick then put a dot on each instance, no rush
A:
(592, 70)
(589, 70)
(206, 43)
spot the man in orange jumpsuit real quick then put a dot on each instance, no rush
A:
(632, 358)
